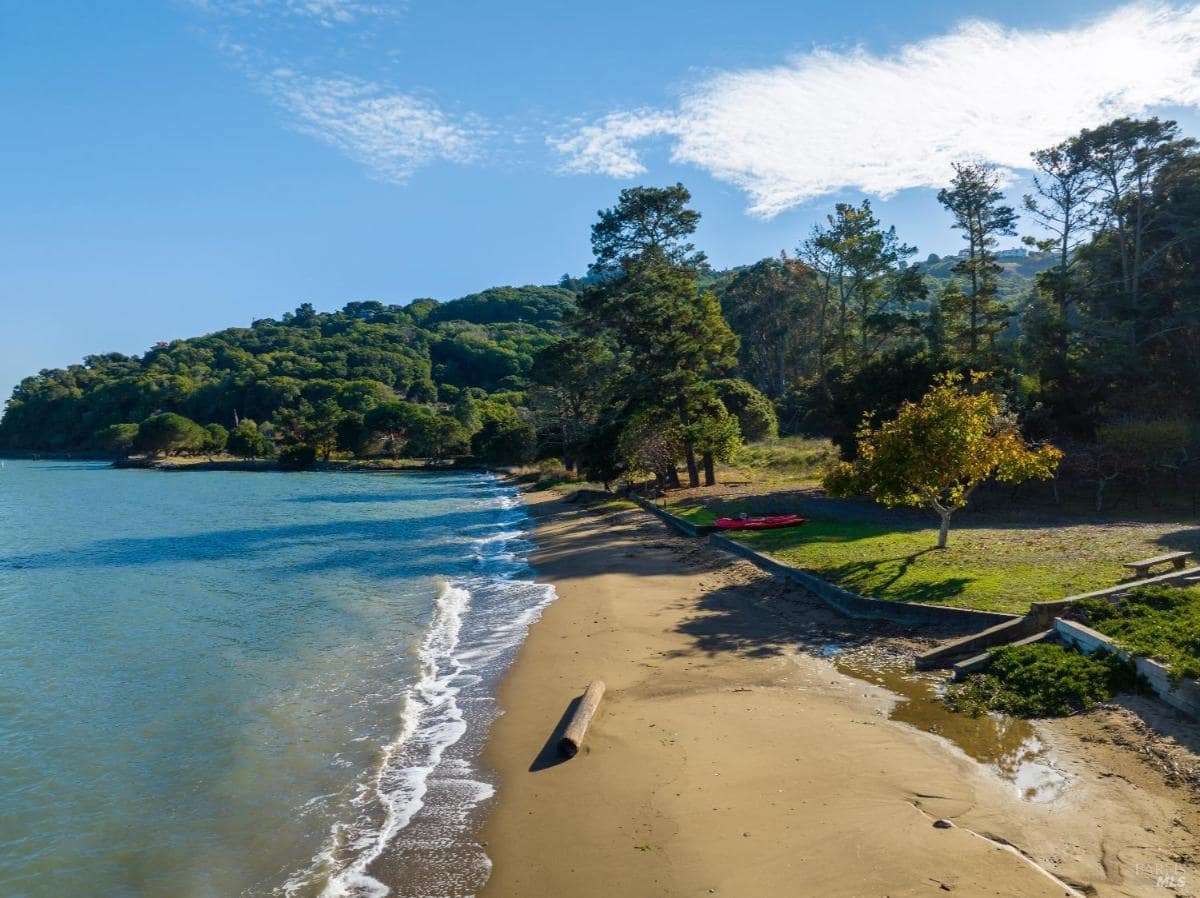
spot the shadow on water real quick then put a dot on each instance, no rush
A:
(483, 491)
(341, 538)
(549, 755)
(62, 467)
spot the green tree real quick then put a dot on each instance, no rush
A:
(935, 453)
(119, 437)
(215, 440)
(772, 307)
(714, 432)
(649, 443)
(974, 200)
(247, 441)
(391, 423)
(574, 382)
(654, 312)
(647, 221)
(507, 436)
(1124, 157)
(756, 417)
(438, 437)
(167, 433)
(857, 261)
(311, 425)
(1061, 208)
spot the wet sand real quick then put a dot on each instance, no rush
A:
(731, 757)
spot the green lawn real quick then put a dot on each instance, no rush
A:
(991, 565)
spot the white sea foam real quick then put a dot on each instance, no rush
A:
(478, 622)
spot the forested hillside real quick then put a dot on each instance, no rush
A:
(652, 360)
(364, 355)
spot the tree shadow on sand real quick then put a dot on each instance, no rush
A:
(549, 756)
(765, 618)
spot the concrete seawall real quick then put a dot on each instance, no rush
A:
(1181, 694)
(853, 605)
(848, 603)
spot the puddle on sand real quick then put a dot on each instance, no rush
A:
(1008, 744)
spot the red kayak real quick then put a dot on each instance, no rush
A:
(769, 522)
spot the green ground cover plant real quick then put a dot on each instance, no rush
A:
(1159, 622)
(1042, 680)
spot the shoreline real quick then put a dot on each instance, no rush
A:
(730, 757)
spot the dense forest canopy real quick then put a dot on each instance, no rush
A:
(653, 360)
(365, 354)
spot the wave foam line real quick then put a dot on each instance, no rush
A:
(431, 715)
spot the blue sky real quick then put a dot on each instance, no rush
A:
(171, 168)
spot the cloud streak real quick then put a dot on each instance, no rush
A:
(324, 12)
(829, 120)
(393, 134)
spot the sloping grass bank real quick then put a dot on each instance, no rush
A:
(1158, 622)
(992, 565)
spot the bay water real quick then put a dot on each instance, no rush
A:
(222, 684)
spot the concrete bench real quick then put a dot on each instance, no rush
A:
(1142, 568)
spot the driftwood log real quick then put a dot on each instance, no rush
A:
(572, 737)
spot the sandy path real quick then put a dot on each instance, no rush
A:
(728, 758)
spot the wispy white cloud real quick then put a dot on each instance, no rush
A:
(325, 12)
(830, 119)
(393, 134)
(607, 147)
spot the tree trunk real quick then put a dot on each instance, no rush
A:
(710, 470)
(673, 478)
(693, 469)
(689, 449)
(943, 513)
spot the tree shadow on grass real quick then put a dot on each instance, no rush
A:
(1185, 539)
(853, 572)
(865, 577)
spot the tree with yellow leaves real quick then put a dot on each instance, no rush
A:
(936, 452)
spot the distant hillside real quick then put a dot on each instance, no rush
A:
(368, 352)
(1016, 279)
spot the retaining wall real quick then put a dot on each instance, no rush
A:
(687, 528)
(854, 605)
(1000, 634)
(1183, 695)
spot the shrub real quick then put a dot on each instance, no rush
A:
(1042, 680)
(754, 412)
(551, 471)
(1159, 622)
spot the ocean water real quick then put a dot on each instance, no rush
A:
(247, 684)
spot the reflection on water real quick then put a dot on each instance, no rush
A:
(1008, 744)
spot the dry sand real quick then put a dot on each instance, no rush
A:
(730, 758)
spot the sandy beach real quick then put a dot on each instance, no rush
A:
(730, 757)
